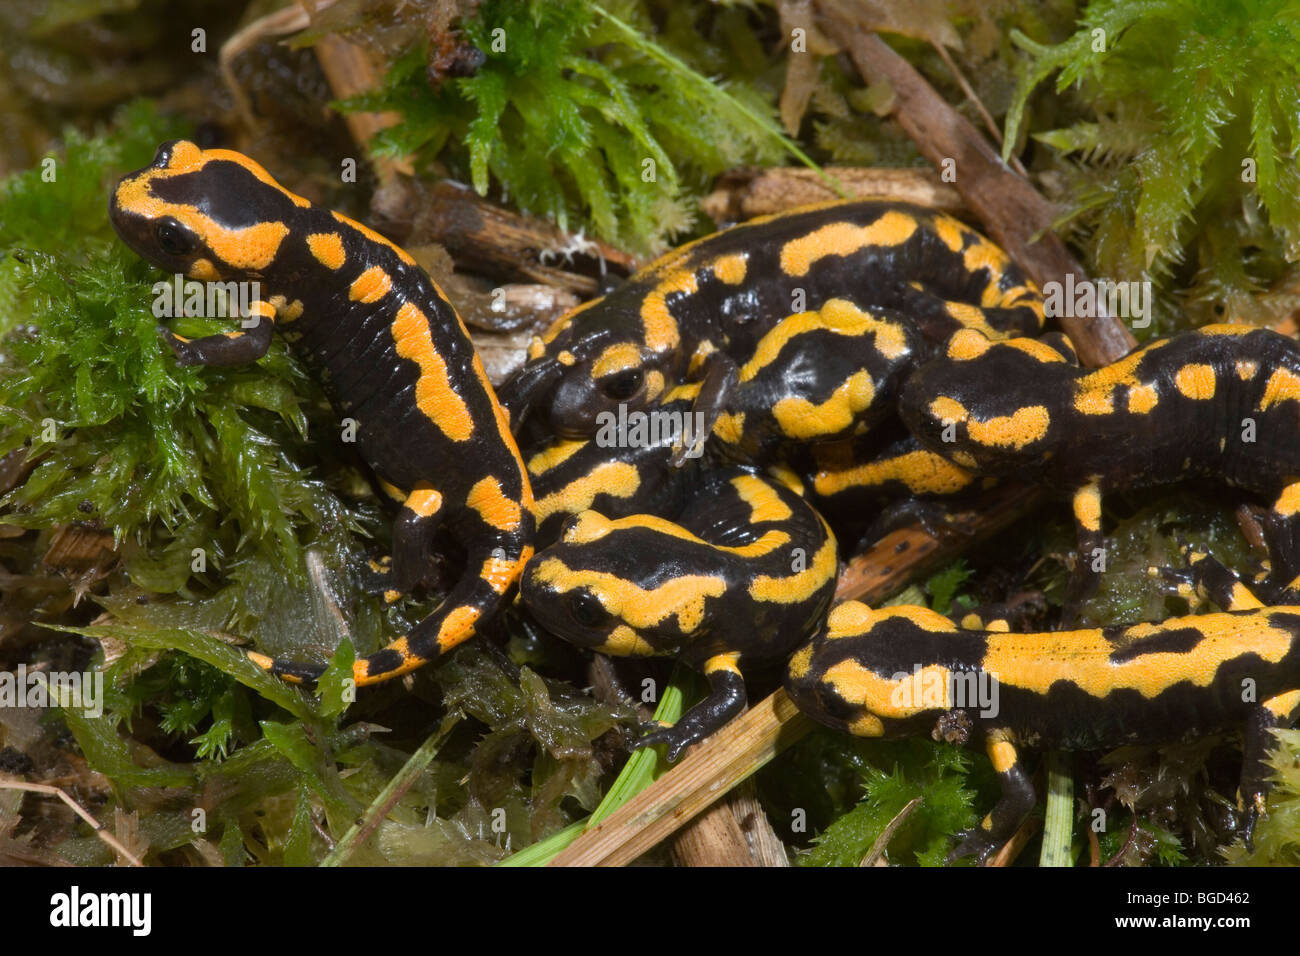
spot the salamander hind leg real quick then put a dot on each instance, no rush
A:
(1017, 800)
(1204, 576)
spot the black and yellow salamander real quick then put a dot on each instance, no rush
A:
(743, 575)
(387, 347)
(1222, 403)
(906, 670)
(685, 315)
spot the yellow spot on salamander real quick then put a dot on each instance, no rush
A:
(500, 573)
(1288, 503)
(1142, 398)
(371, 286)
(1087, 507)
(1025, 426)
(682, 597)
(801, 419)
(921, 472)
(1283, 705)
(951, 232)
(923, 689)
(457, 628)
(967, 344)
(1283, 386)
(495, 507)
(730, 269)
(424, 502)
(764, 502)
(801, 585)
(1002, 753)
(730, 427)
(204, 271)
(625, 642)
(434, 394)
(1196, 381)
(658, 325)
(554, 456)
(728, 662)
(327, 247)
(616, 358)
(618, 479)
(1094, 403)
(843, 239)
(285, 310)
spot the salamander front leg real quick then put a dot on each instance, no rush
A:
(1017, 800)
(726, 699)
(720, 379)
(241, 347)
(1205, 576)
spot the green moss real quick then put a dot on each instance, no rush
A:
(579, 116)
(917, 768)
(1190, 172)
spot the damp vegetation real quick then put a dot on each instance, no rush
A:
(1183, 162)
(156, 520)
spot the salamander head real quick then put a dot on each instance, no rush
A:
(575, 382)
(863, 672)
(993, 407)
(209, 214)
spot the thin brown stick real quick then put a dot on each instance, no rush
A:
(976, 102)
(1013, 847)
(703, 776)
(877, 851)
(8, 783)
(1015, 214)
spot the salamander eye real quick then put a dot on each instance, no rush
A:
(586, 608)
(624, 385)
(172, 238)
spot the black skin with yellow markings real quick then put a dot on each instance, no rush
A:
(573, 475)
(903, 670)
(685, 314)
(818, 376)
(1178, 408)
(744, 574)
(888, 467)
(387, 347)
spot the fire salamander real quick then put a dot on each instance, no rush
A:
(904, 670)
(743, 576)
(1222, 402)
(388, 348)
(698, 311)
